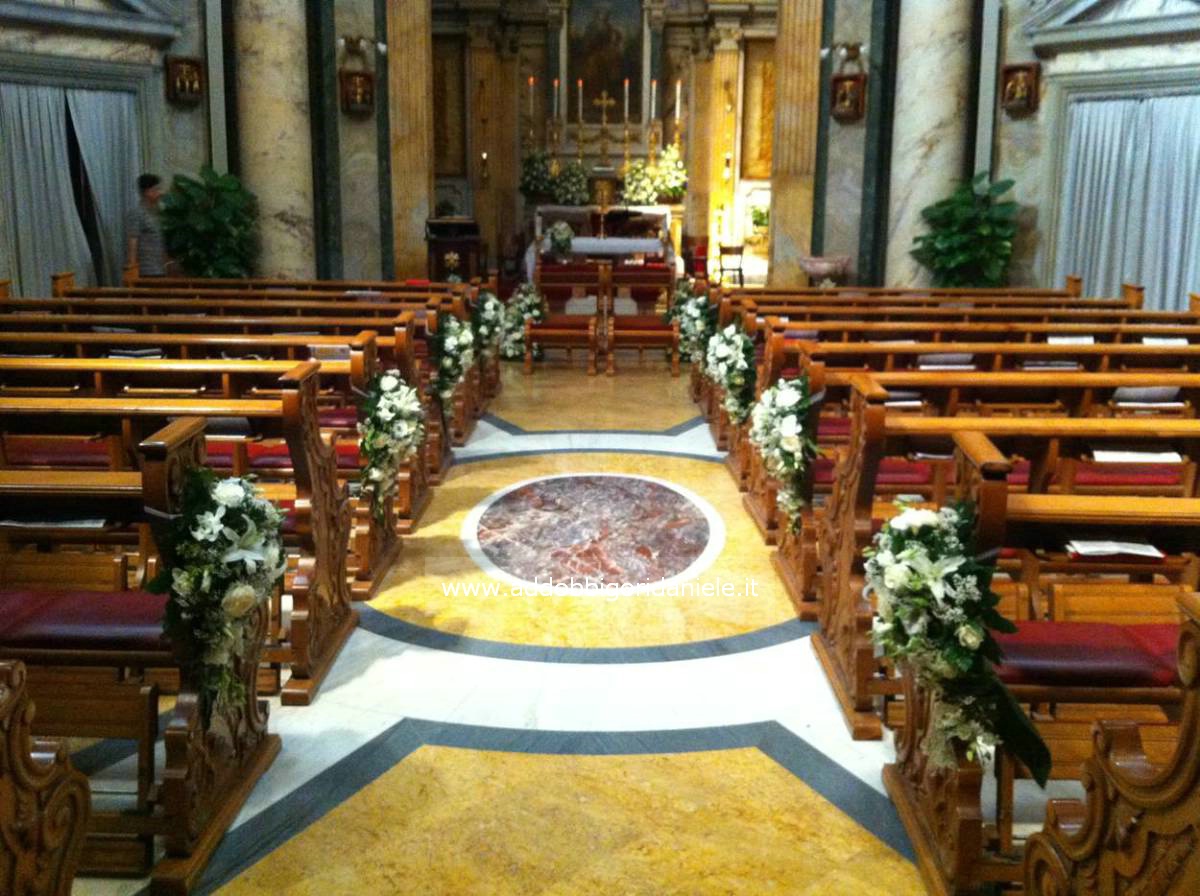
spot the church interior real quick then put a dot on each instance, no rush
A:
(571, 447)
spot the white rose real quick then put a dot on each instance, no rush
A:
(388, 382)
(229, 492)
(787, 397)
(914, 518)
(969, 637)
(895, 576)
(239, 600)
(789, 426)
(790, 444)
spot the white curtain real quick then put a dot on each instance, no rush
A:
(107, 128)
(1130, 201)
(45, 234)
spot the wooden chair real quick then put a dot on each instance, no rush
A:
(730, 260)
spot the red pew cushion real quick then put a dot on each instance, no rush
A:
(833, 428)
(338, 417)
(31, 451)
(1079, 654)
(1147, 475)
(1160, 640)
(83, 620)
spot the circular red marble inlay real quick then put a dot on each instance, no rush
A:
(610, 529)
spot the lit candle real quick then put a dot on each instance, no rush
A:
(678, 95)
(531, 80)
(627, 101)
(579, 87)
(556, 99)
(653, 96)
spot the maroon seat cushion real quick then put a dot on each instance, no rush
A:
(1161, 640)
(1078, 654)
(640, 322)
(347, 454)
(27, 451)
(338, 417)
(789, 373)
(833, 428)
(1140, 475)
(892, 471)
(83, 620)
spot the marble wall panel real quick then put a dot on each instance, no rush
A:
(358, 147)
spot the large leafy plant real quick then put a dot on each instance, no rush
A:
(210, 225)
(970, 236)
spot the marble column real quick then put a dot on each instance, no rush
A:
(929, 131)
(410, 95)
(695, 212)
(492, 101)
(273, 130)
(794, 153)
(359, 152)
(724, 72)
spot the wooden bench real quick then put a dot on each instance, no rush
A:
(1071, 293)
(641, 332)
(295, 452)
(131, 277)
(569, 331)
(88, 653)
(41, 796)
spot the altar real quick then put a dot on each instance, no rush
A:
(654, 221)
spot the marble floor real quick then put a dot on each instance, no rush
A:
(481, 736)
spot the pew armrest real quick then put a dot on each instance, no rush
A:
(979, 451)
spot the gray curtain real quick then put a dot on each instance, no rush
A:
(45, 233)
(107, 127)
(1130, 202)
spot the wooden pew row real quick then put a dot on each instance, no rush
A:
(89, 653)
(374, 543)
(41, 795)
(559, 283)
(241, 304)
(395, 349)
(132, 277)
(322, 617)
(1072, 292)
(971, 331)
(569, 331)
(641, 332)
(1037, 520)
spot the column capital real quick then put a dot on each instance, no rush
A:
(725, 34)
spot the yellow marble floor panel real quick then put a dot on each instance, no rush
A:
(456, 822)
(413, 589)
(642, 396)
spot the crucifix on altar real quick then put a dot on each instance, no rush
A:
(604, 102)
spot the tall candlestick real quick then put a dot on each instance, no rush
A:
(531, 80)
(579, 86)
(678, 95)
(653, 96)
(627, 101)
(556, 99)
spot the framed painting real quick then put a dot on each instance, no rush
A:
(1019, 88)
(604, 48)
(185, 80)
(357, 91)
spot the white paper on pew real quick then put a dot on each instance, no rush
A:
(799, 334)
(1150, 405)
(1050, 365)
(895, 341)
(946, 367)
(367, 295)
(903, 403)
(81, 523)
(329, 352)
(137, 354)
(927, 455)
(1088, 548)
(957, 358)
(1105, 456)
(1165, 340)
(299, 333)
(121, 330)
(250, 356)
(31, 355)
(1146, 394)
(1071, 340)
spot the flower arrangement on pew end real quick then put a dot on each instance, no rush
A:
(729, 362)
(697, 318)
(453, 351)
(487, 321)
(526, 303)
(777, 430)
(935, 613)
(222, 558)
(390, 432)
(558, 239)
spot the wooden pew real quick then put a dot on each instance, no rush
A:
(374, 543)
(1072, 292)
(569, 331)
(322, 617)
(88, 654)
(132, 278)
(42, 797)
(1135, 830)
(558, 283)
(646, 284)
(641, 332)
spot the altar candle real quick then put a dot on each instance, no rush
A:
(556, 99)
(531, 80)
(678, 94)
(653, 96)
(627, 101)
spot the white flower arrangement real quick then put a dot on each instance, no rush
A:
(222, 558)
(391, 430)
(935, 612)
(453, 353)
(558, 240)
(487, 320)
(777, 430)
(526, 303)
(697, 318)
(729, 362)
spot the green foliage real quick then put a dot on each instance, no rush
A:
(639, 187)
(760, 216)
(210, 225)
(571, 185)
(535, 175)
(970, 235)
(666, 179)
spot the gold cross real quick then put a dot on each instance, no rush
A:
(605, 102)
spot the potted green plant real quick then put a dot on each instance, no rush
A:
(210, 225)
(970, 236)
(571, 185)
(537, 185)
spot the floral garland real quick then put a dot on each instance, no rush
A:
(571, 185)
(729, 362)
(670, 175)
(559, 237)
(697, 318)
(526, 303)
(487, 320)
(935, 612)
(453, 351)
(777, 430)
(222, 557)
(639, 187)
(391, 431)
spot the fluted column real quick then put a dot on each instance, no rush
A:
(794, 153)
(929, 133)
(410, 96)
(724, 71)
(273, 131)
(695, 209)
